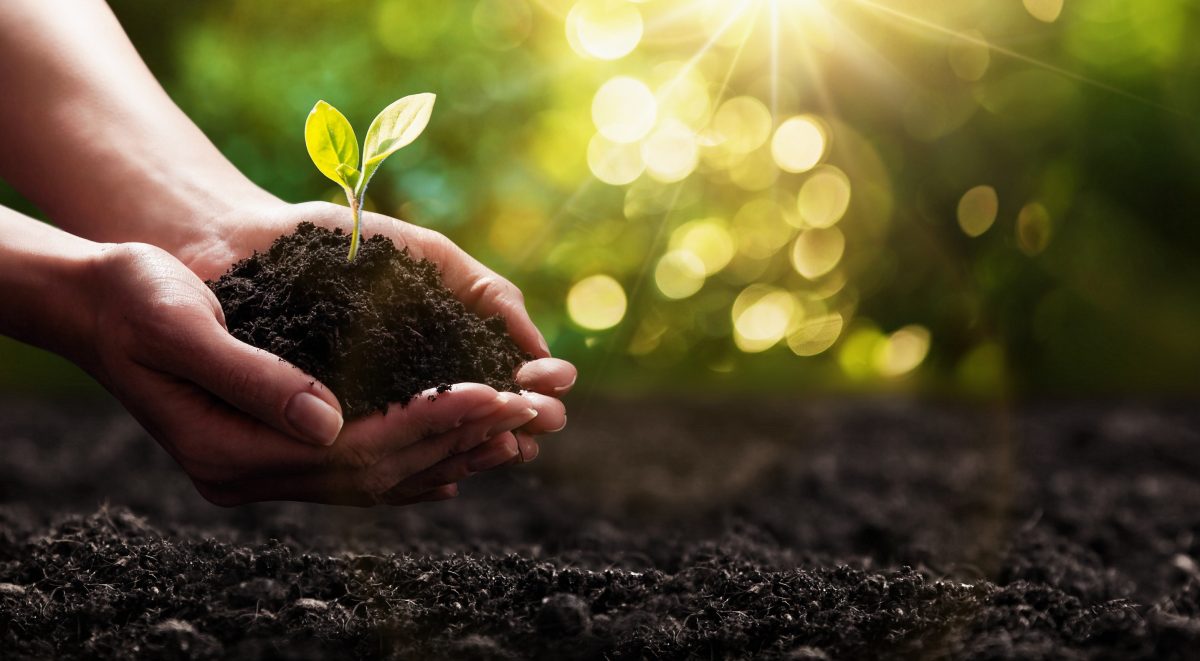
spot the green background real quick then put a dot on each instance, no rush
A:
(1092, 116)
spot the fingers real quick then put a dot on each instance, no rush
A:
(551, 414)
(528, 447)
(215, 443)
(401, 480)
(254, 381)
(404, 478)
(428, 414)
(494, 453)
(399, 466)
(548, 376)
(444, 492)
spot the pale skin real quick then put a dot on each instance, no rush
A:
(147, 209)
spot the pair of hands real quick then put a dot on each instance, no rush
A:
(247, 426)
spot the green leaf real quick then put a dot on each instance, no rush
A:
(398, 125)
(332, 145)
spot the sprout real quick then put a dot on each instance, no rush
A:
(334, 148)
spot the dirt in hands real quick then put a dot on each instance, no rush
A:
(376, 331)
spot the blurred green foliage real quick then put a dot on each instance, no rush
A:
(1085, 126)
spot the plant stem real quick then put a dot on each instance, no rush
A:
(354, 212)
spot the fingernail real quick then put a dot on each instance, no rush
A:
(484, 410)
(314, 418)
(560, 427)
(492, 458)
(512, 422)
(543, 344)
(568, 386)
(527, 447)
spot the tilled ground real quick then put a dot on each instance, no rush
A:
(668, 529)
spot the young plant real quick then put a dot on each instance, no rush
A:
(334, 148)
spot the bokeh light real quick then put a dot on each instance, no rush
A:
(670, 152)
(597, 302)
(858, 353)
(761, 228)
(798, 144)
(604, 29)
(824, 197)
(614, 163)
(902, 351)
(813, 335)
(742, 124)
(1033, 228)
(624, 109)
(679, 274)
(817, 251)
(761, 315)
(708, 239)
(1046, 11)
(977, 210)
(755, 172)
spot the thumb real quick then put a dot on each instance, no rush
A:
(259, 383)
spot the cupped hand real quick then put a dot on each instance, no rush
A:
(247, 426)
(254, 227)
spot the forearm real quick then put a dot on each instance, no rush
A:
(43, 276)
(91, 137)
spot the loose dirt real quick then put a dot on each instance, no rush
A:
(376, 331)
(652, 529)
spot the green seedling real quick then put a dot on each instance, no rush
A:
(334, 148)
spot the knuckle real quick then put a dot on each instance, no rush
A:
(132, 255)
(515, 293)
(240, 384)
(466, 442)
(494, 287)
(440, 243)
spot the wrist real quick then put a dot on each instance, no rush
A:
(184, 210)
(47, 275)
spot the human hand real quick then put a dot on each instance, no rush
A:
(247, 426)
(254, 226)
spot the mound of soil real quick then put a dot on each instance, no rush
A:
(653, 529)
(376, 331)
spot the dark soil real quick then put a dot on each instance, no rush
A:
(686, 529)
(376, 331)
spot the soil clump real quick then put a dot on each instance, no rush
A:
(376, 331)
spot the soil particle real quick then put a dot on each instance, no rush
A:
(563, 615)
(376, 331)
